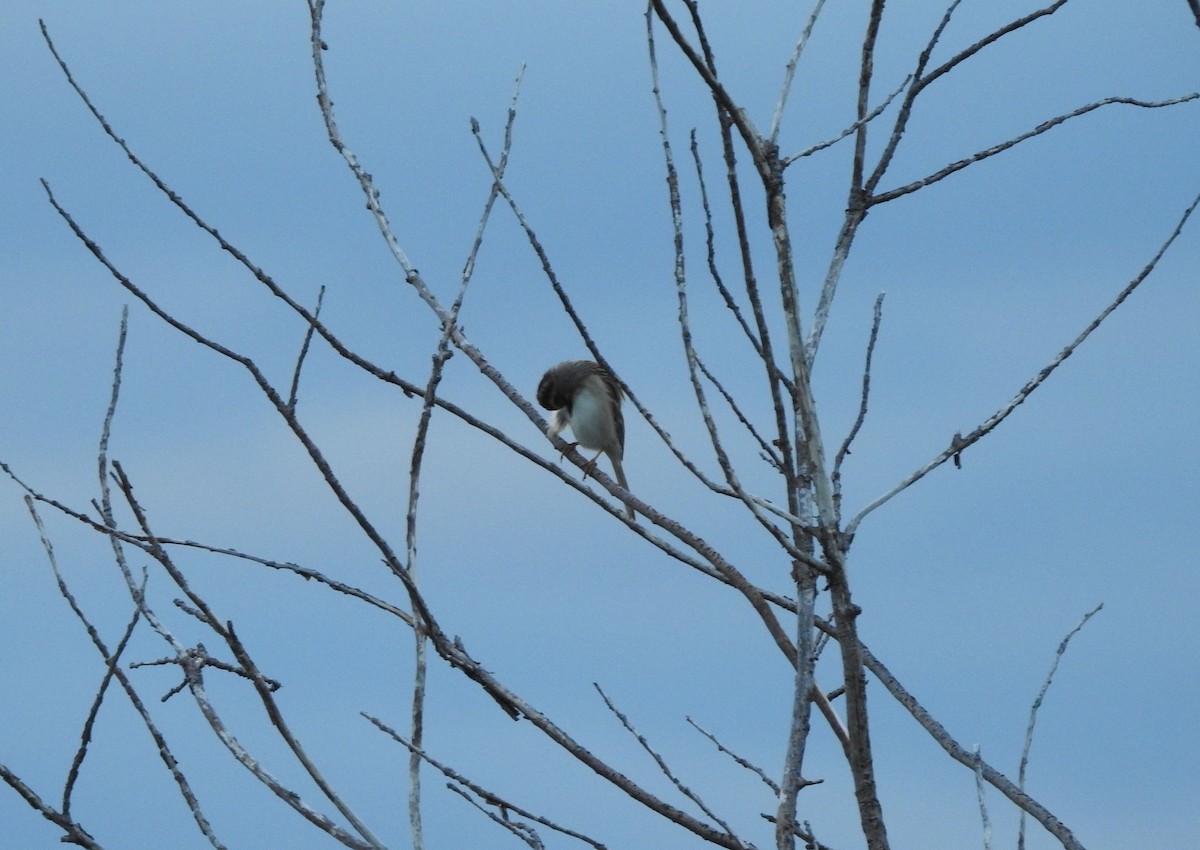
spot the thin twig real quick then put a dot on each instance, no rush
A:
(987, 40)
(440, 358)
(522, 831)
(983, 810)
(113, 669)
(1033, 710)
(417, 715)
(866, 72)
(74, 832)
(709, 233)
(685, 331)
(111, 661)
(475, 788)
(308, 335)
(965, 757)
(193, 663)
(769, 453)
(849, 131)
(959, 443)
(920, 80)
(979, 156)
(775, 377)
(306, 573)
(665, 768)
(753, 768)
(862, 407)
(790, 73)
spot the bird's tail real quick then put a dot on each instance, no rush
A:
(620, 471)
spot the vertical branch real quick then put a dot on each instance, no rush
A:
(710, 236)
(440, 358)
(1033, 710)
(792, 778)
(862, 764)
(983, 810)
(790, 73)
(420, 634)
(808, 435)
(685, 331)
(812, 482)
(775, 378)
(865, 72)
(836, 476)
(856, 204)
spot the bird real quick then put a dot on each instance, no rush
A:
(585, 396)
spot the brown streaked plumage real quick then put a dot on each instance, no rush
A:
(585, 397)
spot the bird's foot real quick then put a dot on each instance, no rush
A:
(589, 468)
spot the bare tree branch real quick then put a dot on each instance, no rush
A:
(768, 452)
(113, 670)
(790, 73)
(755, 769)
(522, 831)
(865, 75)
(1033, 710)
(666, 770)
(723, 459)
(959, 443)
(791, 778)
(491, 798)
(989, 39)
(941, 174)
(440, 358)
(979, 794)
(849, 131)
(308, 335)
(920, 80)
(709, 232)
(967, 758)
(74, 832)
(862, 407)
(112, 660)
(737, 115)
(192, 664)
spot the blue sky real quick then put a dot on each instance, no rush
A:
(968, 580)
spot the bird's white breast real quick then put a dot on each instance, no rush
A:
(591, 420)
